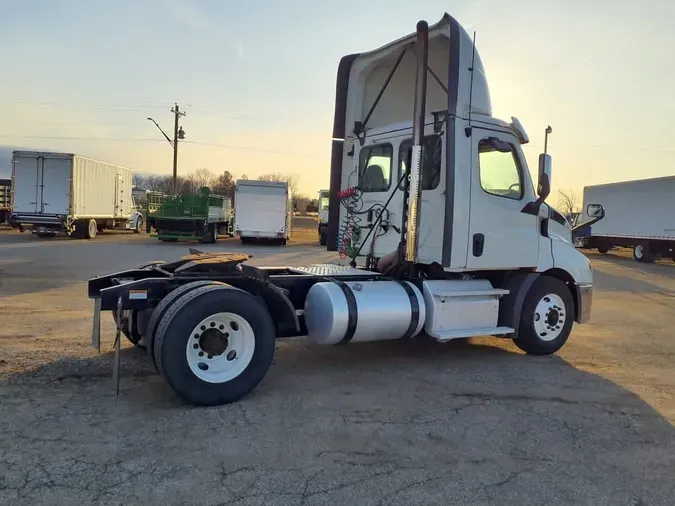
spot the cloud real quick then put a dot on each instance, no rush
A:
(192, 17)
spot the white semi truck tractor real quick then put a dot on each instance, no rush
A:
(431, 198)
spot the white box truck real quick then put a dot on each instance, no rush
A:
(65, 193)
(640, 215)
(262, 210)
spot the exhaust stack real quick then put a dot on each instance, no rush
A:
(419, 111)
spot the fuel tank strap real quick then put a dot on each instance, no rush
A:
(414, 310)
(352, 311)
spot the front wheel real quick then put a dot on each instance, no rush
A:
(139, 226)
(215, 344)
(547, 317)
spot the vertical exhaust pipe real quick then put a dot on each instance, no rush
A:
(419, 112)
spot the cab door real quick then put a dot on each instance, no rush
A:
(375, 176)
(501, 235)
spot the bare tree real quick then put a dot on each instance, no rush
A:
(292, 180)
(139, 180)
(567, 202)
(203, 177)
(244, 176)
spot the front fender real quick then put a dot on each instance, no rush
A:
(572, 261)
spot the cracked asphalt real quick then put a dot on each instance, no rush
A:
(389, 423)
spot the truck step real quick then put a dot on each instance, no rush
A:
(497, 292)
(447, 335)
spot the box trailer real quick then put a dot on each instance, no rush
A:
(263, 210)
(5, 200)
(640, 215)
(65, 193)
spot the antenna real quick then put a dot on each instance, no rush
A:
(473, 61)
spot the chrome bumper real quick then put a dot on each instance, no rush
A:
(584, 301)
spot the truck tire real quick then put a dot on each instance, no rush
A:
(603, 249)
(642, 254)
(215, 344)
(161, 309)
(547, 317)
(139, 226)
(211, 234)
(92, 229)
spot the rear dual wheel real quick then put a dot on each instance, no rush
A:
(85, 229)
(642, 254)
(212, 343)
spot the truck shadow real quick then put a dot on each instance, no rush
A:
(476, 405)
(381, 369)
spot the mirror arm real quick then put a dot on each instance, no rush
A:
(533, 207)
(592, 221)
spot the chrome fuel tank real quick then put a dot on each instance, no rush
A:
(341, 312)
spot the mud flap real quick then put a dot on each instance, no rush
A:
(96, 329)
(118, 334)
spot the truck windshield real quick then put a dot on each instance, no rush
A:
(323, 203)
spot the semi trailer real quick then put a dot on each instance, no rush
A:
(68, 194)
(640, 216)
(263, 210)
(323, 206)
(454, 241)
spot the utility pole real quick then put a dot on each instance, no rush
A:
(178, 134)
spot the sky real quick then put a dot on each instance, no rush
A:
(257, 79)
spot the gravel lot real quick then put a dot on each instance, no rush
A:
(391, 423)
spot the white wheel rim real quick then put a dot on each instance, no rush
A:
(549, 317)
(639, 251)
(220, 348)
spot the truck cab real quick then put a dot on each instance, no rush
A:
(323, 206)
(471, 208)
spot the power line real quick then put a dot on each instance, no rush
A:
(129, 139)
(131, 108)
(250, 148)
(73, 138)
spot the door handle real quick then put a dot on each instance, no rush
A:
(478, 244)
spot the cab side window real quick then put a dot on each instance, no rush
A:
(499, 169)
(431, 161)
(375, 167)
